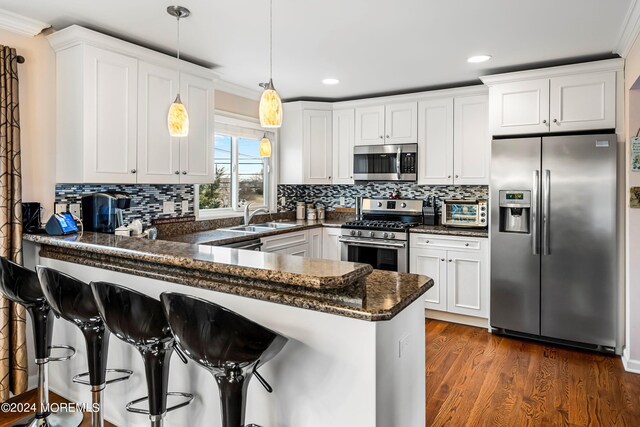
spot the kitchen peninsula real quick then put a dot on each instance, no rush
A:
(355, 355)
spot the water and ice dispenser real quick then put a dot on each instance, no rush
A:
(515, 211)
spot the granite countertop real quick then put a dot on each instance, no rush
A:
(372, 295)
(224, 262)
(220, 237)
(451, 231)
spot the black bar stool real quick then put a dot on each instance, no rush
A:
(225, 343)
(72, 300)
(139, 320)
(21, 286)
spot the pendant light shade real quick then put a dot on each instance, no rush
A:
(270, 107)
(265, 147)
(178, 118)
(270, 110)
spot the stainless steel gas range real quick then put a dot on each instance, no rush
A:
(381, 236)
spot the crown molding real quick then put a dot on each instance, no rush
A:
(629, 30)
(21, 24)
(234, 89)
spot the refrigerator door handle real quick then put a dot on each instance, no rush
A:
(534, 213)
(546, 219)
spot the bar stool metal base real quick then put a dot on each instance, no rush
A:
(127, 373)
(188, 398)
(55, 419)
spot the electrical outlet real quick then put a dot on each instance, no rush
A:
(403, 346)
(185, 207)
(342, 201)
(60, 208)
(168, 207)
(283, 201)
(74, 209)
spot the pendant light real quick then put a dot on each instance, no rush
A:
(178, 118)
(270, 110)
(265, 146)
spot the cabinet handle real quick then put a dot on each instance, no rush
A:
(177, 172)
(544, 122)
(329, 177)
(450, 260)
(426, 241)
(441, 259)
(448, 176)
(457, 176)
(555, 120)
(381, 137)
(184, 172)
(133, 171)
(387, 136)
(466, 244)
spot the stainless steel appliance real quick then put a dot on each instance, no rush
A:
(102, 212)
(392, 162)
(553, 239)
(464, 213)
(381, 237)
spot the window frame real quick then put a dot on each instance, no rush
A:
(270, 165)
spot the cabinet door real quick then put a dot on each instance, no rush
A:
(467, 293)
(110, 117)
(300, 250)
(431, 263)
(196, 150)
(370, 125)
(401, 126)
(343, 141)
(317, 146)
(315, 243)
(158, 153)
(583, 102)
(520, 107)
(471, 140)
(435, 142)
(331, 246)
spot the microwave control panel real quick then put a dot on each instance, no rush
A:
(408, 163)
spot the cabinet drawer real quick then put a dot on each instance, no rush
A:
(433, 241)
(275, 243)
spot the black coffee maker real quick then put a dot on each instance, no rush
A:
(31, 218)
(102, 212)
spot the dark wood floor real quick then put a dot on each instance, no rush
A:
(8, 418)
(475, 378)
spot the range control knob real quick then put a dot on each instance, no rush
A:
(403, 205)
(371, 234)
(359, 233)
(353, 232)
(379, 204)
(392, 236)
(385, 235)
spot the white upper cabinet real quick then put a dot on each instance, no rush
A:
(110, 116)
(343, 142)
(394, 123)
(113, 98)
(560, 99)
(520, 107)
(472, 142)
(306, 143)
(370, 125)
(158, 152)
(435, 142)
(401, 123)
(586, 101)
(196, 149)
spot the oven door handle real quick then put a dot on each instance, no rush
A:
(399, 163)
(373, 244)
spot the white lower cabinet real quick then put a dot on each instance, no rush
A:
(331, 246)
(459, 268)
(315, 242)
(293, 243)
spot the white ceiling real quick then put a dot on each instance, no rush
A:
(372, 46)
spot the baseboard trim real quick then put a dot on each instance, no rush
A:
(630, 365)
(457, 318)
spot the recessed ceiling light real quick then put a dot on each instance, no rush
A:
(330, 81)
(479, 58)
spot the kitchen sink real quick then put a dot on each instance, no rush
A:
(275, 225)
(259, 228)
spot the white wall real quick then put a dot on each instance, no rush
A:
(631, 356)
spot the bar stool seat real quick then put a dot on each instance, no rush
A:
(225, 343)
(22, 286)
(139, 320)
(73, 300)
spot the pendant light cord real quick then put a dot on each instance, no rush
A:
(270, 39)
(178, 35)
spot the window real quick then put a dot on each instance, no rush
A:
(241, 175)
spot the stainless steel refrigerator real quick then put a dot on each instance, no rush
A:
(553, 239)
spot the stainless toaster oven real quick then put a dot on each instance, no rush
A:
(465, 213)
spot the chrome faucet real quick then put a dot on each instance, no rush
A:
(248, 216)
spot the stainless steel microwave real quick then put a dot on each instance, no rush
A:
(397, 162)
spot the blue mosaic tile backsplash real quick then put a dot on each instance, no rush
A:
(329, 195)
(146, 199)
